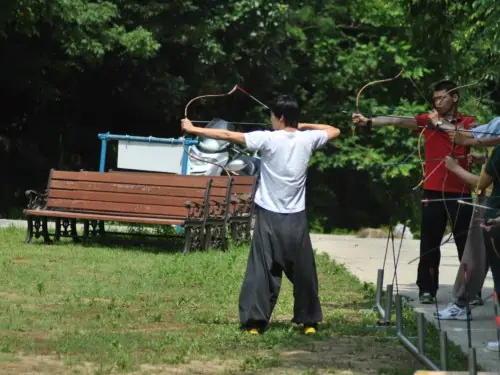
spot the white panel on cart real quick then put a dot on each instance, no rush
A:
(155, 157)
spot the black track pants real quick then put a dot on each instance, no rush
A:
(434, 220)
(280, 243)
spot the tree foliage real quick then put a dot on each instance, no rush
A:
(74, 68)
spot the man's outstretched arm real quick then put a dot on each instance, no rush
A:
(219, 134)
(401, 122)
(331, 131)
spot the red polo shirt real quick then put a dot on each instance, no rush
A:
(438, 146)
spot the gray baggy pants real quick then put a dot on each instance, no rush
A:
(280, 243)
(474, 257)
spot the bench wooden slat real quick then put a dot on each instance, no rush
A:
(244, 180)
(112, 197)
(129, 188)
(219, 183)
(240, 190)
(131, 178)
(104, 212)
(83, 205)
(94, 216)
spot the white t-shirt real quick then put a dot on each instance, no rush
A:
(285, 158)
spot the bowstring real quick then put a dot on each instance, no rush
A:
(236, 87)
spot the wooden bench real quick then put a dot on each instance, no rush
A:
(215, 234)
(235, 211)
(122, 197)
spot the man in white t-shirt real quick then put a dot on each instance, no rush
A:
(280, 241)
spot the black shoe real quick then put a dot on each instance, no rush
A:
(427, 298)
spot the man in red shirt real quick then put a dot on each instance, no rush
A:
(438, 183)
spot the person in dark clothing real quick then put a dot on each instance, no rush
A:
(281, 241)
(491, 234)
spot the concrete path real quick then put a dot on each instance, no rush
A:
(363, 257)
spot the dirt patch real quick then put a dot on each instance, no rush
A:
(42, 365)
(41, 307)
(21, 260)
(103, 300)
(10, 296)
(355, 355)
(45, 365)
(193, 367)
(38, 335)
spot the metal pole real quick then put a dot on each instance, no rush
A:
(104, 147)
(388, 304)
(185, 160)
(378, 295)
(406, 342)
(472, 361)
(399, 313)
(413, 350)
(421, 333)
(443, 341)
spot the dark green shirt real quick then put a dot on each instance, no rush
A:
(493, 170)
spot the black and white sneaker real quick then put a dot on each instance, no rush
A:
(452, 312)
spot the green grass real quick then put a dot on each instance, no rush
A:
(110, 308)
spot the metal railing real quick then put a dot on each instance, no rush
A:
(419, 350)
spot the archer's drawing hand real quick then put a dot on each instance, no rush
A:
(186, 125)
(458, 138)
(476, 159)
(491, 223)
(451, 163)
(433, 117)
(359, 120)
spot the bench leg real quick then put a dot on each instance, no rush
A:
(57, 235)
(216, 237)
(85, 229)
(234, 233)
(64, 226)
(29, 230)
(188, 239)
(223, 234)
(45, 232)
(207, 240)
(37, 225)
(74, 233)
(240, 232)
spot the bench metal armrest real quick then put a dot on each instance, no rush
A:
(236, 200)
(218, 202)
(36, 200)
(189, 204)
(196, 211)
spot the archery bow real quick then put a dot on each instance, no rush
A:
(236, 87)
(184, 134)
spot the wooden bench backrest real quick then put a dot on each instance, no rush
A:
(218, 191)
(243, 189)
(244, 185)
(219, 183)
(125, 193)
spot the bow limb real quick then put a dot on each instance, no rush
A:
(208, 96)
(462, 86)
(374, 83)
(184, 136)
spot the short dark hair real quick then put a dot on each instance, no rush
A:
(446, 85)
(288, 107)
